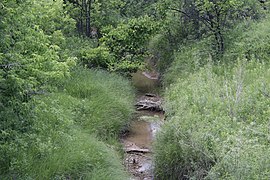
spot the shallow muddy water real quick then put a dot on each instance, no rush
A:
(138, 141)
(140, 134)
(138, 144)
(146, 82)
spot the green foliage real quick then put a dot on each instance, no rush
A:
(137, 8)
(218, 114)
(218, 125)
(106, 106)
(52, 124)
(29, 54)
(127, 42)
(188, 59)
(252, 44)
(205, 6)
(162, 52)
(64, 127)
(94, 15)
(96, 57)
(196, 19)
(106, 13)
(30, 60)
(83, 157)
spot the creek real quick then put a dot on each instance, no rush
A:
(138, 158)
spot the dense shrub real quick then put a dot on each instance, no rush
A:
(252, 44)
(162, 51)
(127, 42)
(96, 57)
(29, 57)
(187, 59)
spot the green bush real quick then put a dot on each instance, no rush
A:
(252, 44)
(97, 57)
(30, 52)
(218, 125)
(106, 106)
(127, 42)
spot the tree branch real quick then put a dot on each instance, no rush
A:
(204, 20)
(8, 66)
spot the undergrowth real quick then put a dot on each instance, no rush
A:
(218, 114)
(73, 132)
(106, 101)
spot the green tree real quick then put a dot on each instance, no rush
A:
(137, 8)
(211, 16)
(214, 15)
(127, 42)
(93, 15)
(31, 61)
(30, 53)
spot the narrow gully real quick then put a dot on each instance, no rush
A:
(138, 158)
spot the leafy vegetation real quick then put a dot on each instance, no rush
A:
(57, 121)
(107, 101)
(62, 107)
(63, 139)
(218, 114)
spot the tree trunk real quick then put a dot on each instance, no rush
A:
(219, 34)
(87, 18)
(221, 42)
(81, 19)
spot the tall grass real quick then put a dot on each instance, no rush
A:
(81, 157)
(107, 101)
(74, 131)
(218, 115)
(217, 127)
(187, 60)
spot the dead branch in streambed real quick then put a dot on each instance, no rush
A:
(146, 104)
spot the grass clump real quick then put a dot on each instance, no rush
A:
(81, 157)
(106, 105)
(73, 132)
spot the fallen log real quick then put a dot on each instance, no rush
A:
(137, 150)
